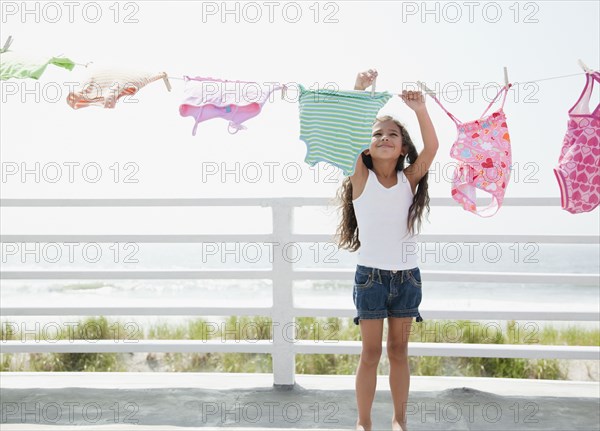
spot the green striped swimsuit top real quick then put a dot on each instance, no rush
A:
(336, 125)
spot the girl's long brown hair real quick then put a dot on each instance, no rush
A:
(347, 230)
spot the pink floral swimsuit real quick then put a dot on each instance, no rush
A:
(482, 148)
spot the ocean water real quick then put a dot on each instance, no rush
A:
(489, 257)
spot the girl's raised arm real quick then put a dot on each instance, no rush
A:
(359, 178)
(417, 170)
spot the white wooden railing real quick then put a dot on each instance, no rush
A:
(283, 313)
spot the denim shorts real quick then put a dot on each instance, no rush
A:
(380, 293)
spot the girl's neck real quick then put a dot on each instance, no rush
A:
(384, 169)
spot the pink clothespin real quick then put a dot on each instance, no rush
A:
(373, 87)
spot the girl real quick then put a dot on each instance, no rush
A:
(382, 204)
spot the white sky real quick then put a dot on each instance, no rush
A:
(173, 38)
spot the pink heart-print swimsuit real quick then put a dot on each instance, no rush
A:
(578, 169)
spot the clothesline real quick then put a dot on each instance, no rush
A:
(513, 84)
(449, 91)
(460, 89)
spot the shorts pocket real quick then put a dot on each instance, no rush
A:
(414, 276)
(362, 280)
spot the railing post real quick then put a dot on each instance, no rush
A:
(284, 361)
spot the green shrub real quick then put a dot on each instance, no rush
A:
(256, 328)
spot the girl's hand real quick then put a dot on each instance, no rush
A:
(414, 99)
(365, 79)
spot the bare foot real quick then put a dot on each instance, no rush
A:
(360, 427)
(399, 426)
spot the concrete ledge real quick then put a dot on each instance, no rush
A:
(228, 381)
(211, 401)
(27, 427)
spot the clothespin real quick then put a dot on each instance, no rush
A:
(506, 83)
(7, 44)
(283, 91)
(583, 66)
(425, 88)
(165, 78)
(373, 87)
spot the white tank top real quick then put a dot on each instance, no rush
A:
(382, 214)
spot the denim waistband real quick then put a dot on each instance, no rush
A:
(377, 273)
